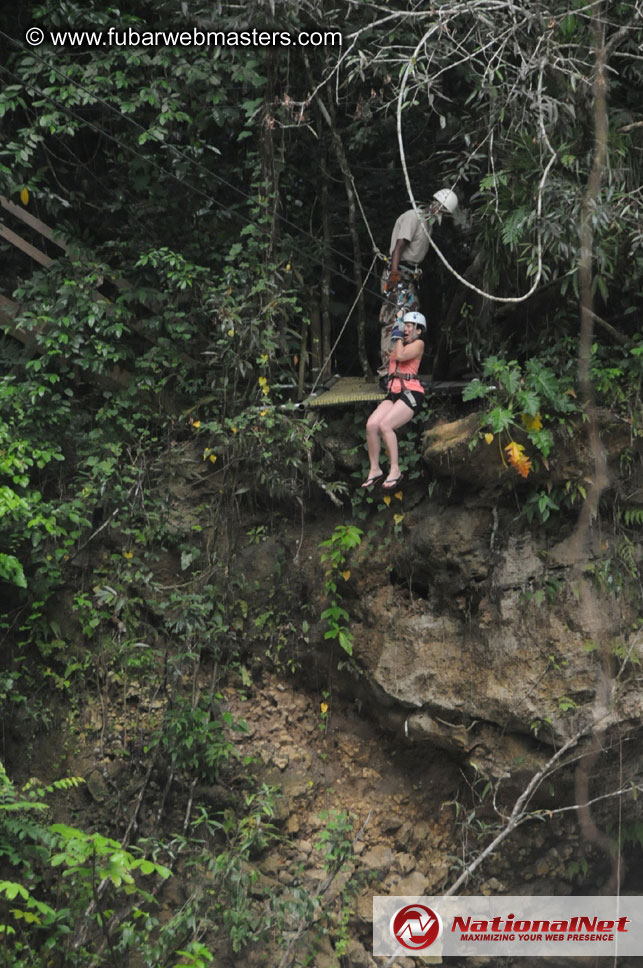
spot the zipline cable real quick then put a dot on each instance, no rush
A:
(350, 313)
(443, 259)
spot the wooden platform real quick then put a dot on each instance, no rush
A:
(345, 389)
(354, 389)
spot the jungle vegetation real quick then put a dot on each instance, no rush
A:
(214, 213)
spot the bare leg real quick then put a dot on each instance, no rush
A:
(399, 415)
(373, 441)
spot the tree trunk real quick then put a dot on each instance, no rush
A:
(269, 185)
(585, 267)
(315, 337)
(327, 113)
(326, 272)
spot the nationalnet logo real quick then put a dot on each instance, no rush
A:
(416, 926)
(510, 925)
(525, 929)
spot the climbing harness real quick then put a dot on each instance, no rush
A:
(398, 375)
(411, 267)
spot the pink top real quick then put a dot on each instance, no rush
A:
(396, 385)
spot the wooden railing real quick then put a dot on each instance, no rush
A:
(10, 309)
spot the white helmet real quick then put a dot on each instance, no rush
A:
(447, 199)
(416, 318)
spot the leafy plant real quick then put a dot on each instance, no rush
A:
(194, 737)
(526, 397)
(98, 874)
(334, 557)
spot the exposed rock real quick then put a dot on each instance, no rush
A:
(314, 877)
(391, 822)
(453, 737)
(480, 674)
(377, 858)
(404, 863)
(492, 886)
(345, 455)
(364, 906)
(281, 759)
(215, 796)
(414, 885)
(257, 561)
(292, 825)
(519, 563)
(358, 956)
(97, 787)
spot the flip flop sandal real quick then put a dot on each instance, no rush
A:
(388, 485)
(372, 480)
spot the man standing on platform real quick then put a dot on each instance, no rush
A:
(409, 245)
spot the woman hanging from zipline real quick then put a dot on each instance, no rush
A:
(404, 399)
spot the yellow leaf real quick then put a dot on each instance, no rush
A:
(398, 495)
(324, 708)
(398, 518)
(488, 438)
(517, 458)
(346, 574)
(128, 554)
(387, 500)
(213, 457)
(196, 424)
(531, 423)
(24, 196)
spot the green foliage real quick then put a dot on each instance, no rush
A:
(540, 503)
(100, 879)
(194, 737)
(335, 840)
(161, 353)
(617, 376)
(196, 955)
(566, 704)
(26, 518)
(525, 397)
(335, 557)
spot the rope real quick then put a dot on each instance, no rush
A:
(341, 332)
(443, 259)
(378, 253)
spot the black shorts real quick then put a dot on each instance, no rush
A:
(412, 398)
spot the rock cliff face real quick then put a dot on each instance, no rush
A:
(488, 636)
(482, 640)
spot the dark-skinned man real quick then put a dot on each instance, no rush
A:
(409, 246)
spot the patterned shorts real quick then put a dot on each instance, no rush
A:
(403, 299)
